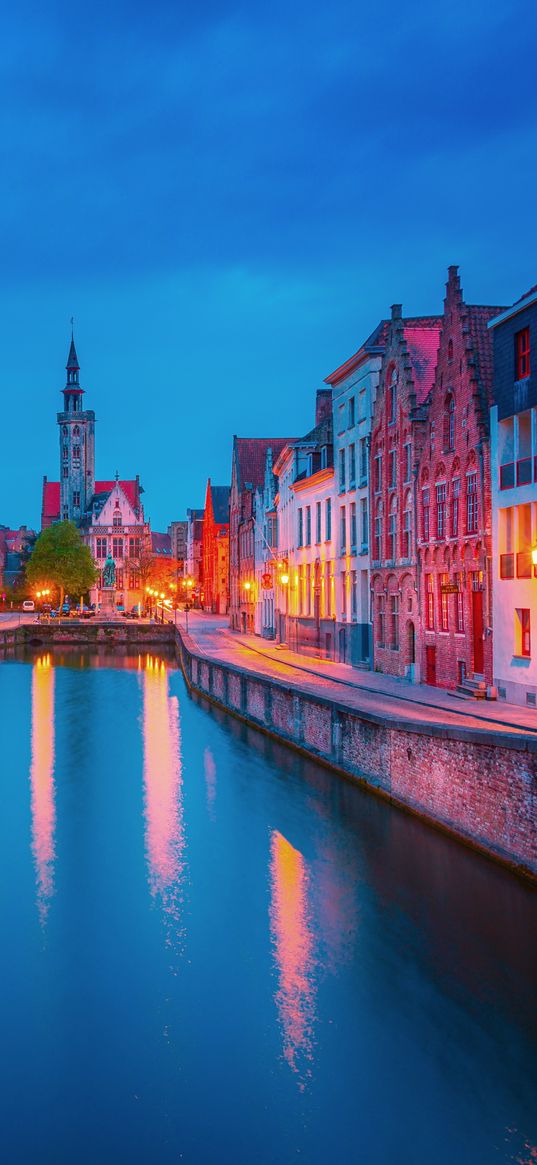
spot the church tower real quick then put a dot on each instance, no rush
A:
(77, 446)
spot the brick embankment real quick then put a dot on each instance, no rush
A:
(478, 783)
(90, 633)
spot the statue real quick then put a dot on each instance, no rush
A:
(109, 572)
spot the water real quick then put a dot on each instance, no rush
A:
(215, 951)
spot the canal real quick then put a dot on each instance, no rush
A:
(216, 951)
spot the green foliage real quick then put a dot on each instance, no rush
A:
(60, 559)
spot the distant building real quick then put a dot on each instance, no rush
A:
(109, 513)
(514, 500)
(215, 549)
(15, 546)
(453, 500)
(247, 476)
(399, 429)
(161, 544)
(178, 536)
(194, 557)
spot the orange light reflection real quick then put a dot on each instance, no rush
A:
(164, 828)
(293, 947)
(42, 781)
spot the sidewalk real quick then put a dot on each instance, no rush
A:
(367, 691)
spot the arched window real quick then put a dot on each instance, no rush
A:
(64, 430)
(392, 530)
(407, 526)
(117, 518)
(450, 350)
(76, 431)
(392, 398)
(448, 436)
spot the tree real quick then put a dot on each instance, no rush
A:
(61, 559)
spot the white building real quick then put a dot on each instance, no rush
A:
(514, 501)
(266, 558)
(354, 386)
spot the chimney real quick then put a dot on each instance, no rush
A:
(397, 311)
(323, 405)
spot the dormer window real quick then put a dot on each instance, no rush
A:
(522, 354)
(117, 521)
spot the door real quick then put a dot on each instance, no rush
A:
(342, 645)
(430, 666)
(411, 643)
(477, 625)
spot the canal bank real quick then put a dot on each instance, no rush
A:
(473, 776)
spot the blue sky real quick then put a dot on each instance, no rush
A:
(228, 197)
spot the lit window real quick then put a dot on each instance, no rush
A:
(471, 503)
(522, 632)
(441, 510)
(443, 582)
(429, 602)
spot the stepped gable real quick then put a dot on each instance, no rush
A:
(251, 457)
(220, 496)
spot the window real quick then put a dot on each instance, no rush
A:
(381, 621)
(392, 398)
(378, 473)
(522, 354)
(341, 470)
(342, 530)
(76, 452)
(459, 605)
(119, 579)
(351, 413)
(300, 534)
(352, 466)
(450, 350)
(377, 536)
(308, 589)
(327, 590)
(324, 456)
(448, 437)
(328, 520)
(353, 527)
(471, 503)
(364, 531)
(76, 497)
(393, 468)
(394, 622)
(134, 579)
(134, 547)
(522, 632)
(455, 495)
(441, 510)
(443, 581)
(76, 431)
(117, 548)
(101, 548)
(363, 461)
(65, 453)
(65, 513)
(429, 602)
(407, 528)
(392, 534)
(117, 521)
(308, 525)
(343, 592)
(425, 514)
(407, 461)
(65, 471)
(317, 521)
(354, 597)
(301, 590)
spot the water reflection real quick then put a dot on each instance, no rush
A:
(163, 786)
(291, 930)
(42, 781)
(209, 765)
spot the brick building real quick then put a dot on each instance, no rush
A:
(397, 437)
(453, 500)
(247, 476)
(215, 549)
(514, 500)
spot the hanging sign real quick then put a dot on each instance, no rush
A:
(266, 582)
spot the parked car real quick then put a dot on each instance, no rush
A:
(28, 605)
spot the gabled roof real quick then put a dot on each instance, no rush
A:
(478, 318)
(422, 338)
(51, 496)
(220, 497)
(250, 457)
(374, 344)
(160, 543)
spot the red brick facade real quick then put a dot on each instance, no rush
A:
(215, 549)
(398, 433)
(247, 474)
(453, 500)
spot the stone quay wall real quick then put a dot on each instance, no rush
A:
(88, 633)
(477, 785)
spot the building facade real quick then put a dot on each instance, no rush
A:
(354, 388)
(178, 534)
(215, 549)
(247, 477)
(194, 553)
(109, 514)
(453, 501)
(397, 439)
(514, 501)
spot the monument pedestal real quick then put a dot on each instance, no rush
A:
(108, 603)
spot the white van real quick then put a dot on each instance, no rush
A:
(28, 605)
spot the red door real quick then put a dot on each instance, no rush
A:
(477, 624)
(430, 666)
